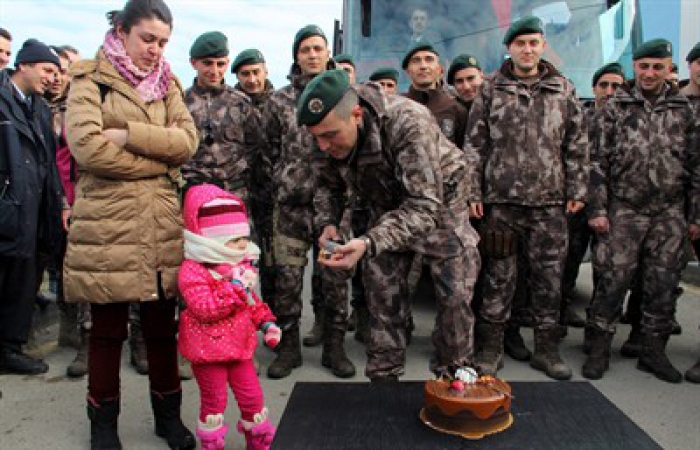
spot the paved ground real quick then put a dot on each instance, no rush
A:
(48, 412)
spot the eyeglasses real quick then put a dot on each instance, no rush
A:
(607, 84)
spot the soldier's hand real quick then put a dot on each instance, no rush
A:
(476, 210)
(116, 136)
(346, 256)
(694, 231)
(600, 225)
(574, 206)
(330, 232)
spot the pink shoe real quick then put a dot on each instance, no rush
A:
(212, 433)
(258, 434)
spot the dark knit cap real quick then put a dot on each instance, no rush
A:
(34, 51)
(694, 53)
(246, 57)
(525, 25)
(384, 73)
(417, 47)
(461, 62)
(305, 33)
(321, 95)
(655, 48)
(212, 44)
(615, 68)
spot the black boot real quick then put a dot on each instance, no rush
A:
(598, 360)
(514, 345)
(489, 360)
(546, 357)
(104, 415)
(632, 347)
(288, 354)
(168, 425)
(137, 347)
(79, 366)
(14, 360)
(315, 336)
(654, 360)
(362, 324)
(334, 356)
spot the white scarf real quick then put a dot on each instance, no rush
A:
(208, 251)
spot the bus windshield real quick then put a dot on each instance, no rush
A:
(582, 35)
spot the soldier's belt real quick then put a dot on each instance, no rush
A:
(497, 242)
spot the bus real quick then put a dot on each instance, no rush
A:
(582, 35)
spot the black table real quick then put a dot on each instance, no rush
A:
(548, 415)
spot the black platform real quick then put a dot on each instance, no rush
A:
(361, 416)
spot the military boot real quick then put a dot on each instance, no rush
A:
(68, 330)
(632, 347)
(104, 416)
(333, 356)
(79, 366)
(598, 360)
(489, 360)
(546, 357)
(362, 326)
(288, 355)
(315, 336)
(514, 345)
(137, 349)
(693, 374)
(654, 360)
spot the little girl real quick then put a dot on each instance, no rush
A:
(218, 327)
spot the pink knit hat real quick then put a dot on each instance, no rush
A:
(223, 217)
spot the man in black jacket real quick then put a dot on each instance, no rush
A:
(30, 197)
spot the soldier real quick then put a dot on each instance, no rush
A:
(391, 153)
(347, 63)
(466, 77)
(224, 117)
(388, 79)
(422, 65)
(531, 169)
(645, 166)
(692, 92)
(288, 152)
(251, 71)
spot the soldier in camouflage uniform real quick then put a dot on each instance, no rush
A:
(645, 179)
(388, 79)
(251, 72)
(390, 152)
(226, 121)
(466, 77)
(288, 158)
(531, 168)
(692, 92)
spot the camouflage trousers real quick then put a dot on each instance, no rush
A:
(388, 292)
(651, 244)
(293, 238)
(542, 239)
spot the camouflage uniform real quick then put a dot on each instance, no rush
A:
(645, 179)
(451, 116)
(414, 181)
(228, 127)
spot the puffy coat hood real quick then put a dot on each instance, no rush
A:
(200, 195)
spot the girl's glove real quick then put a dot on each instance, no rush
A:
(273, 334)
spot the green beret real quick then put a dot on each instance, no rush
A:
(656, 48)
(526, 25)
(384, 73)
(211, 44)
(249, 56)
(694, 53)
(615, 68)
(345, 58)
(321, 95)
(417, 47)
(304, 33)
(459, 63)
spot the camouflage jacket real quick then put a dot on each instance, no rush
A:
(451, 116)
(258, 100)
(227, 125)
(288, 148)
(646, 155)
(528, 142)
(411, 176)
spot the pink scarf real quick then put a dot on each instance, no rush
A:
(152, 85)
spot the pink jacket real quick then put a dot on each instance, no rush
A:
(218, 324)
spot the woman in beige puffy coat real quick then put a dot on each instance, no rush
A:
(129, 131)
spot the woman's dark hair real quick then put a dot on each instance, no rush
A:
(136, 10)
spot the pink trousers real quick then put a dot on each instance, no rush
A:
(214, 379)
